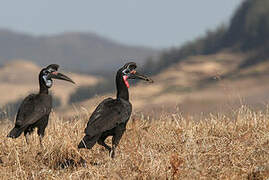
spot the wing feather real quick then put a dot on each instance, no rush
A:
(107, 115)
(33, 108)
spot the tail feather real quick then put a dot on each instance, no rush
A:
(15, 132)
(88, 142)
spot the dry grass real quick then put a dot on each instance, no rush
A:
(169, 147)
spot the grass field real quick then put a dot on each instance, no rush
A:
(170, 147)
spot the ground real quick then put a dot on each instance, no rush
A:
(169, 147)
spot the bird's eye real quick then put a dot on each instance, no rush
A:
(46, 72)
(126, 71)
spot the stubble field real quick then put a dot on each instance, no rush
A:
(169, 147)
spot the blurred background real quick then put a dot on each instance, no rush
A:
(205, 56)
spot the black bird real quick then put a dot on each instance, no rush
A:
(35, 109)
(111, 115)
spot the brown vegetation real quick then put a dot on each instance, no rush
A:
(167, 147)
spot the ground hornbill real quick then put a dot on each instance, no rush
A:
(111, 115)
(35, 108)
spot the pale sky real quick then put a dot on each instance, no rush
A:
(156, 23)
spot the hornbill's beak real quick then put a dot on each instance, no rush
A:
(136, 75)
(57, 75)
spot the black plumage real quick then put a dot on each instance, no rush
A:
(111, 115)
(35, 109)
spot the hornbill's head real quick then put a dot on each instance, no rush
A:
(51, 72)
(128, 72)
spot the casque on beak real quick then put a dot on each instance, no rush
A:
(57, 75)
(136, 75)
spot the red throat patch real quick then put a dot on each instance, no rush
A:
(126, 81)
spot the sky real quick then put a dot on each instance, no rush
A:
(155, 23)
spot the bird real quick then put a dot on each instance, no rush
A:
(111, 116)
(35, 109)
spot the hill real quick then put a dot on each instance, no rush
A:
(20, 77)
(247, 32)
(198, 86)
(79, 52)
(223, 70)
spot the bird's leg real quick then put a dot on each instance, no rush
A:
(115, 141)
(41, 129)
(101, 141)
(112, 152)
(26, 134)
(26, 139)
(40, 141)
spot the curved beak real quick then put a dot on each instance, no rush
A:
(57, 75)
(136, 75)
